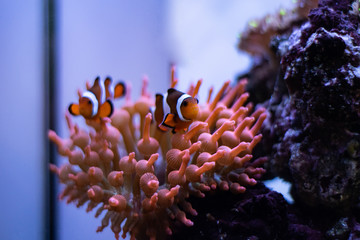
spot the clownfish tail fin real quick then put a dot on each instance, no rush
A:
(119, 90)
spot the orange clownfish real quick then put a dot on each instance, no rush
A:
(95, 103)
(175, 110)
(116, 91)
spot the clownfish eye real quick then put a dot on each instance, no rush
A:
(197, 100)
(89, 102)
(184, 103)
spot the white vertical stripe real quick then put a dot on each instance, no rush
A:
(111, 90)
(94, 101)
(102, 92)
(178, 105)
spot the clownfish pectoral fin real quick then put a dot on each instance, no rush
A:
(163, 128)
(106, 109)
(169, 120)
(119, 90)
(74, 109)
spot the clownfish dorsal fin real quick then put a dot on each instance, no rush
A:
(169, 120)
(74, 109)
(171, 90)
(96, 83)
(106, 109)
(119, 90)
(107, 81)
(172, 98)
(95, 89)
(98, 89)
(109, 91)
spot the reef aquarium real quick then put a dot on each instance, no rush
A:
(168, 164)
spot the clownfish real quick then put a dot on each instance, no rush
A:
(96, 101)
(175, 110)
(113, 92)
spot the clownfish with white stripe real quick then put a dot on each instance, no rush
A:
(113, 92)
(175, 110)
(95, 103)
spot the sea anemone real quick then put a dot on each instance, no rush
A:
(141, 176)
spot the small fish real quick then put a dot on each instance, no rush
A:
(93, 104)
(175, 110)
(113, 92)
